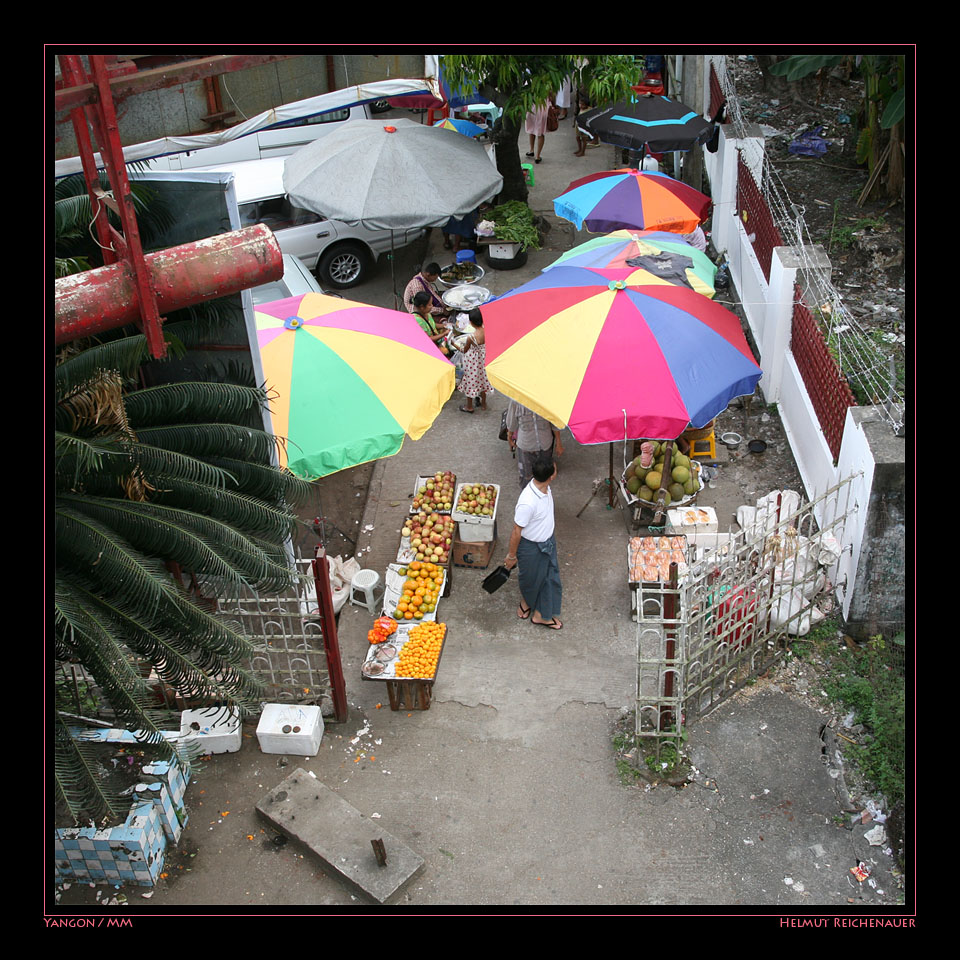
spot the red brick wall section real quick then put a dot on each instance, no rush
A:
(757, 219)
(826, 385)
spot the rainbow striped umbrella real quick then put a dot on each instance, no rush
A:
(614, 362)
(350, 380)
(644, 258)
(632, 200)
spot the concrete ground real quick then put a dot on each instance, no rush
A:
(507, 787)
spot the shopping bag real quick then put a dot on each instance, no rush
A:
(494, 581)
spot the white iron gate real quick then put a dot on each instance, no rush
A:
(728, 616)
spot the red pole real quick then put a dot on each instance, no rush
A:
(331, 643)
(109, 297)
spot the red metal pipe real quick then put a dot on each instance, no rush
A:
(331, 641)
(106, 298)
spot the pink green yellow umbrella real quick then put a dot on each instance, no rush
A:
(350, 380)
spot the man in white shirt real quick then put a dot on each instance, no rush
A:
(533, 545)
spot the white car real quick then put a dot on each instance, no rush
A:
(339, 255)
(296, 281)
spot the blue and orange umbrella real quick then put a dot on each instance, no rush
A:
(632, 200)
(349, 380)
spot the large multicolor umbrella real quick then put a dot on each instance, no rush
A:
(655, 123)
(350, 380)
(614, 362)
(644, 258)
(632, 200)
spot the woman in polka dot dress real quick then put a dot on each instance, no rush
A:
(474, 382)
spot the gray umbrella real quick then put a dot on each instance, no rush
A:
(391, 175)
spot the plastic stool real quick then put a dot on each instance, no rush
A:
(466, 256)
(527, 169)
(363, 590)
(704, 447)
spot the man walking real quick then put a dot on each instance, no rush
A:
(533, 545)
(531, 436)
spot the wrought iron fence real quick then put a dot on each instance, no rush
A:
(730, 615)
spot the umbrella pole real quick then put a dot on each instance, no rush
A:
(397, 305)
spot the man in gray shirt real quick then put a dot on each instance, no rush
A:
(531, 436)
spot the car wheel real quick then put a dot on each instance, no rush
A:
(343, 266)
(380, 106)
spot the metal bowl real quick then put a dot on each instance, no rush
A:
(465, 296)
(474, 276)
(731, 440)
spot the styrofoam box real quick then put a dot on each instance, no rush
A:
(213, 729)
(504, 251)
(475, 529)
(689, 521)
(303, 725)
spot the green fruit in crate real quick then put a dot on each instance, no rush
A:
(676, 491)
(645, 493)
(630, 473)
(680, 474)
(653, 479)
(667, 499)
(633, 485)
(691, 487)
(642, 472)
(681, 461)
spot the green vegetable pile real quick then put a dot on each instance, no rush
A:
(514, 224)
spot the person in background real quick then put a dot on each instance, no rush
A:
(424, 282)
(435, 330)
(533, 546)
(564, 98)
(536, 125)
(584, 137)
(533, 437)
(697, 239)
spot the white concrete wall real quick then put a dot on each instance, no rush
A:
(768, 307)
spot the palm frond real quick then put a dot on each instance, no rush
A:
(72, 216)
(213, 440)
(252, 515)
(265, 482)
(96, 551)
(193, 671)
(77, 783)
(196, 542)
(124, 355)
(219, 402)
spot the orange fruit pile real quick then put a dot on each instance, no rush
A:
(419, 655)
(420, 591)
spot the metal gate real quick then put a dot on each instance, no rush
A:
(296, 652)
(728, 616)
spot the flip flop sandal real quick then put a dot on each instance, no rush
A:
(553, 624)
(528, 154)
(538, 159)
(522, 613)
(464, 410)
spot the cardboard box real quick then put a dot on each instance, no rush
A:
(474, 553)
